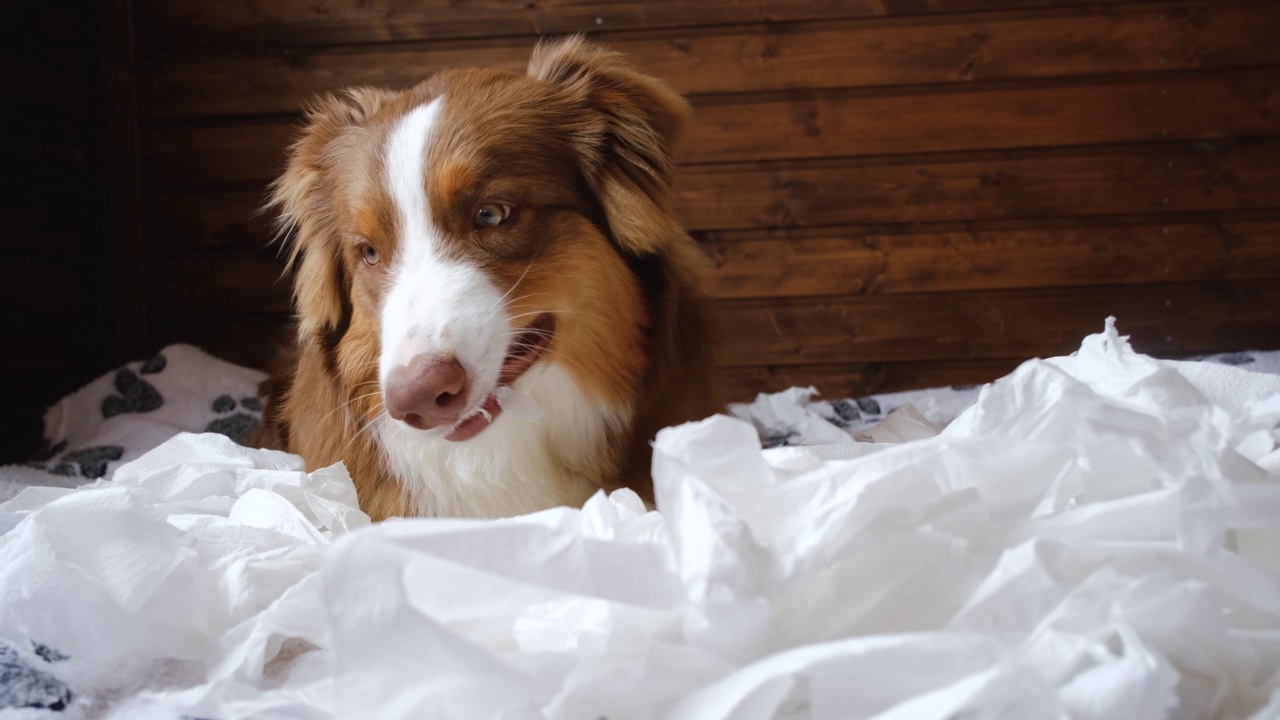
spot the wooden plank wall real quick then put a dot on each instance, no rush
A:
(892, 193)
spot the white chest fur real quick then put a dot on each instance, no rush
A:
(515, 466)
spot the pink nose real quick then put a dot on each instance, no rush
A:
(428, 392)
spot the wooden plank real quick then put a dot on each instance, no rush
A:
(124, 184)
(204, 284)
(860, 262)
(1162, 319)
(253, 341)
(207, 219)
(1088, 41)
(51, 292)
(1155, 179)
(1110, 181)
(857, 124)
(847, 380)
(185, 23)
(838, 124)
(853, 261)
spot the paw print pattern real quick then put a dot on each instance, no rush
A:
(233, 424)
(869, 406)
(775, 441)
(47, 653)
(852, 411)
(45, 453)
(25, 686)
(1236, 359)
(92, 460)
(136, 395)
(847, 413)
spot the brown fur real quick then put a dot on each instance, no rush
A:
(586, 142)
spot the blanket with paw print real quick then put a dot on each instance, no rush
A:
(123, 414)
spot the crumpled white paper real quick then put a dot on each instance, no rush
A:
(1092, 539)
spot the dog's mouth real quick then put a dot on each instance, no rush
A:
(525, 350)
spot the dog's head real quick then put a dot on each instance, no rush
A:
(447, 238)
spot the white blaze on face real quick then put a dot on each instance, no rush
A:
(435, 304)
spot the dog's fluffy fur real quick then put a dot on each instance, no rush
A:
(380, 202)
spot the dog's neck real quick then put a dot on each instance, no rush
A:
(516, 465)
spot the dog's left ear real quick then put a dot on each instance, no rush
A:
(630, 122)
(303, 199)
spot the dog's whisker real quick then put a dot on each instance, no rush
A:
(497, 306)
(347, 403)
(578, 313)
(531, 331)
(561, 357)
(363, 429)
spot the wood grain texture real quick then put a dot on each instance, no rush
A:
(844, 380)
(1105, 181)
(834, 261)
(251, 340)
(1163, 320)
(805, 57)
(1235, 104)
(124, 183)
(248, 23)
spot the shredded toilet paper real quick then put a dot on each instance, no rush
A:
(518, 404)
(1094, 538)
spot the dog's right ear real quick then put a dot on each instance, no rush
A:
(302, 199)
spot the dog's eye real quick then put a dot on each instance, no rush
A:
(488, 216)
(369, 255)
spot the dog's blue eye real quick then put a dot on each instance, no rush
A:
(369, 255)
(488, 216)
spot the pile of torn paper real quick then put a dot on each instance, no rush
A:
(1095, 538)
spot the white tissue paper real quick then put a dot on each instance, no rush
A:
(518, 404)
(1094, 538)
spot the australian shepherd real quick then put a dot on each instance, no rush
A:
(497, 309)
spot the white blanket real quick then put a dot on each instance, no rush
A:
(1094, 538)
(125, 413)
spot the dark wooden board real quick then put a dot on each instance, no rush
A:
(1163, 319)
(1104, 181)
(835, 261)
(809, 56)
(253, 341)
(837, 124)
(124, 183)
(185, 23)
(845, 380)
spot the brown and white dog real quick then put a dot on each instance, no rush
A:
(480, 232)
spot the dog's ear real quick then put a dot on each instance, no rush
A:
(630, 122)
(302, 197)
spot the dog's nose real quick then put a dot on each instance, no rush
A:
(428, 392)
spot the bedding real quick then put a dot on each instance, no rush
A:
(1093, 536)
